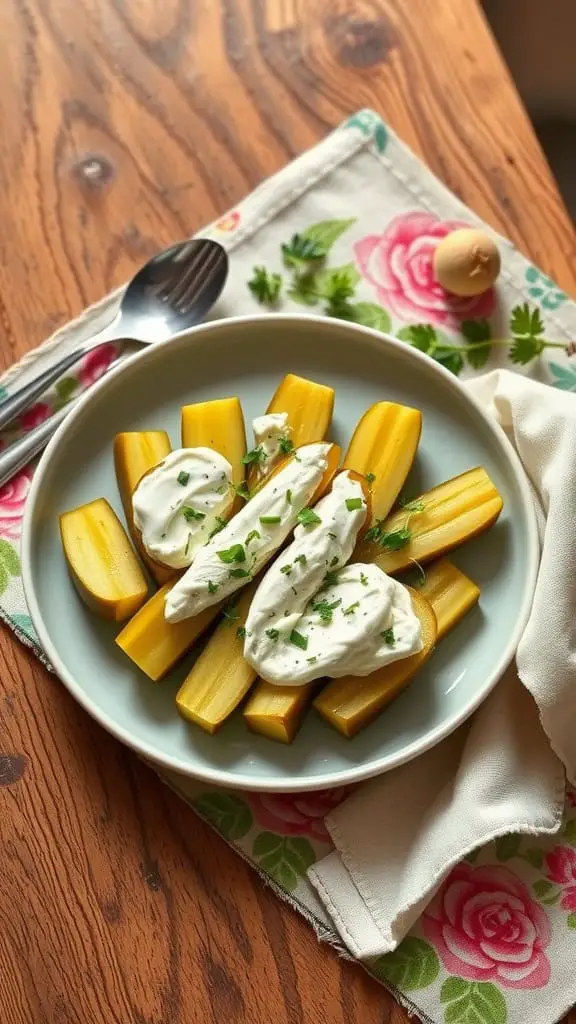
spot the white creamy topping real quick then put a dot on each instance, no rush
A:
(269, 430)
(304, 624)
(236, 554)
(178, 504)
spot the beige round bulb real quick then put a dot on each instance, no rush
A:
(466, 262)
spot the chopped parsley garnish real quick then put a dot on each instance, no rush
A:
(183, 478)
(395, 540)
(286, 569)
(301, 558)
(334, 561)
(289, 496)
(285, 445)
(234, 554)
(213, 587)
(325, 609)
(239, 574)
(220, 524)
(242, 490)
(370, 478)
(363, 579)
(302, 250)
(388, 637)
(192, 513)
(351, 608)
(330, 580)
(299, 640)
(270, 520)
(412, 504)
(241, 632)
(272, 634)
(264, 286)
(308, 517)
(312, 660)
(255, 456)
(333, 536)
(353, 503)
(375, 532)
(188, 543)
(253, 535)
(231, 613)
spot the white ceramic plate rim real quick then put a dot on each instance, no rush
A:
(307, 782)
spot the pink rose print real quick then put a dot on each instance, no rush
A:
(399, 265)
(486, 927)
(12, 500)
(561, 868)
(95, 364)
(34, 416)
(297, 814)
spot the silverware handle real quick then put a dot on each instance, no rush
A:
(24, 397)
(21, 452)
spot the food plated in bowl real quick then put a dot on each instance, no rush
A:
(321, 536)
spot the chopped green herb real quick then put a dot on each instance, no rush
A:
(272, 634)
(183, 478)
(213, 587)
(370, 478)
(375, 532)
(270, 520)
(334, 561)
(231, 613)
(395, 540)
(351, 608)
(241, 632)
(301, 558)
(220, 524)
(255, 456)
(388, 637)
(301, 251)
(363, 579)
(234, 554)
(239, 574)
(333, 536)
(294, 591)
(264, 286)
(289, 496)
(312, 661)
(188, 543)
(324, 609)
(222, 489)
(308, 517)
(353, 503)
(192, 513)
(298, 639)
(285, 445)
(286, 569)
(242, 490)
(412, 504)
(330, 580)
(253, 535)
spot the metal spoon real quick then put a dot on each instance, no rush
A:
(173, 291)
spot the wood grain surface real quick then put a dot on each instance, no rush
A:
(127, 124)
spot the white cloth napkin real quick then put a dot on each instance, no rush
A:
(502, 772)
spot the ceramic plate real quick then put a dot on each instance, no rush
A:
(248, 357)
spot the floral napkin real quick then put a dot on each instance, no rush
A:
(374, 214)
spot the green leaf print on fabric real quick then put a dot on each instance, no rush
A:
(370, 124)
(326, 232)
(9, 564)
(285, 858)
(564, 376)
(534, 856)
(571, 922)
(544, 289)
(546, 892)
(372, 315)
(507, 847)
(3, 393)
(24, 622)
(473, 1002)
(227, 812)
(569, 831)
(64, 389)
(412, 966)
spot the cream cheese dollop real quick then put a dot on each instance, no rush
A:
(179, 503)
(253, 535)
(269, 432)
(315, 616)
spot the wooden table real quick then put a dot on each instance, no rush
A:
(126, 125)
